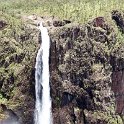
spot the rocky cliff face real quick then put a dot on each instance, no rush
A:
(17, 60)
(86, 72)
(81, 74)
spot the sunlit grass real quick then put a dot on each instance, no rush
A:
(78, 10)
(74, 10)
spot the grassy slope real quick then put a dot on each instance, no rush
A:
(75, 10)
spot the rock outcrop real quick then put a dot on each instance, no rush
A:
(3, 24)
(118, 17)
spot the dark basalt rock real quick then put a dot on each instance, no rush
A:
(3, 24)
(66, 98)
(117, 62)
(81, 73)
(118, 17)
(58, 23)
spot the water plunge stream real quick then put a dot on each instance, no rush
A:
(42, 89)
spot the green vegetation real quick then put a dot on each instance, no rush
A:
(108, 118)
(75, 10)
(2, 99)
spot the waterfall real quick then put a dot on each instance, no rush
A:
(42, 89)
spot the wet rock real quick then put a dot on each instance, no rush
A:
(12, 117)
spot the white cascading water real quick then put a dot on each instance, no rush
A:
(42, 89)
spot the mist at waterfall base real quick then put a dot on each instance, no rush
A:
(8, 122)
(42, 90)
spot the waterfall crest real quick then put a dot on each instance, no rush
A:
(42, 89)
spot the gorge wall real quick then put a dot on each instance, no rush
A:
(17, 61)
(86, 72)
(81, 74)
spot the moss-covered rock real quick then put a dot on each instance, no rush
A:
(17, 59)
